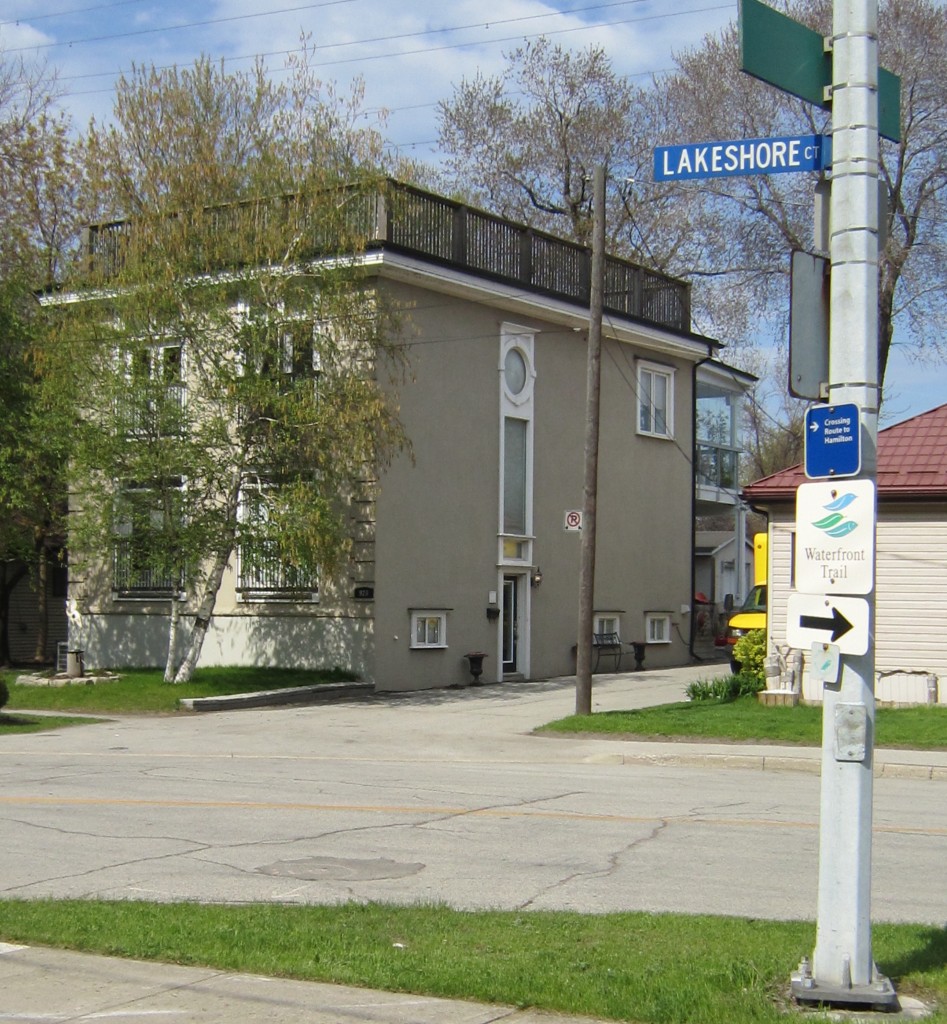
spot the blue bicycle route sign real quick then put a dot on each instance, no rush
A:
(743, 156)
(833, 441)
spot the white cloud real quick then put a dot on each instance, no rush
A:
(410, 53)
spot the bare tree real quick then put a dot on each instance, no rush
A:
(523, 142)
(755, 221)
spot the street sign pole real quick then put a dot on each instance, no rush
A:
(843, 968)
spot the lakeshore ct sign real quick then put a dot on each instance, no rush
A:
(742, 156)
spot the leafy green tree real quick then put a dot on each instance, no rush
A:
(38, 220)
(233, 359)
(34, 446)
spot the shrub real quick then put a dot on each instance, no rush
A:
(725, 688)
(750, 652)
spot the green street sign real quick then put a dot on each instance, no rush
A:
(791, 56)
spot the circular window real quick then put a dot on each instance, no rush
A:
(514, 369)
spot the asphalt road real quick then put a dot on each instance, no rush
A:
(447, 797)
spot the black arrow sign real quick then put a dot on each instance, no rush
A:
(838, 624)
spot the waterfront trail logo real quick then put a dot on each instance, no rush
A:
(835, 524)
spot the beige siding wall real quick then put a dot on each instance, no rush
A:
(910, 601)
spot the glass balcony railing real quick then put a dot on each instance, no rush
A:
(717, 467)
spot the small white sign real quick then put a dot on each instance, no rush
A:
(835, 537)
(828, 619)
(824, 660)
(573, 519)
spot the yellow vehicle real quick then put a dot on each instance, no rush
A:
(752, 613)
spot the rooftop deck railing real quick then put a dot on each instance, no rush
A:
(410, 220)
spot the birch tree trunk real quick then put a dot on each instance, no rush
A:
(212, 581)
(173, 620)
(205, 611)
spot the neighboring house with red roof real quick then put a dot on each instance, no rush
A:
(911, 559)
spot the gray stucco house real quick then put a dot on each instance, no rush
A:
(472, 545)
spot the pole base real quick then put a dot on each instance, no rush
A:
(879, 995)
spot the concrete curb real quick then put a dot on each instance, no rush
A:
(810, 765)
(278, 698)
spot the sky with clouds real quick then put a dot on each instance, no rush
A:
(410, 54)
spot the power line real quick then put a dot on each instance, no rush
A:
(383, 39)
(175, 28)
(69, 14)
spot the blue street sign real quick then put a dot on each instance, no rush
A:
(742, 156)
(833, 441)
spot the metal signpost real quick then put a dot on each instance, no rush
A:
(794, 58)
(840, 73)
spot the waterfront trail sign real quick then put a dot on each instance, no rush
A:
(842, 621)
(832, 441)
(835, 538)
(779, 155)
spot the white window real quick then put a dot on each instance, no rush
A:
(146, 558)
(517, 386)
(428, 629)
(263, 572)
(607, 622)
(657, 627)
(655, 400)
(152, 404)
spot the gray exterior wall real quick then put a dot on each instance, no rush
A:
(438, 517)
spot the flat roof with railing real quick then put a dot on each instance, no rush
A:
(403, 218)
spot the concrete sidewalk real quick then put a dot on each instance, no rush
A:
(46, 986)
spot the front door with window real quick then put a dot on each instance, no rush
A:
(510, 623)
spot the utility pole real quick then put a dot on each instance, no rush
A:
(843, 969)
(583, 656)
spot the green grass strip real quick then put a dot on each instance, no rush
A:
(14, 725)
(649, 968)
(143, 691)
(747, 720)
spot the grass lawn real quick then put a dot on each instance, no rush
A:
(649, 968)
(746, 720)
(16, 724)
(144, 691)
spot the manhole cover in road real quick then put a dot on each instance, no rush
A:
(341, 869)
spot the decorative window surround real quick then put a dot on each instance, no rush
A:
(429, 629)
(657, 627)
(655, 400)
